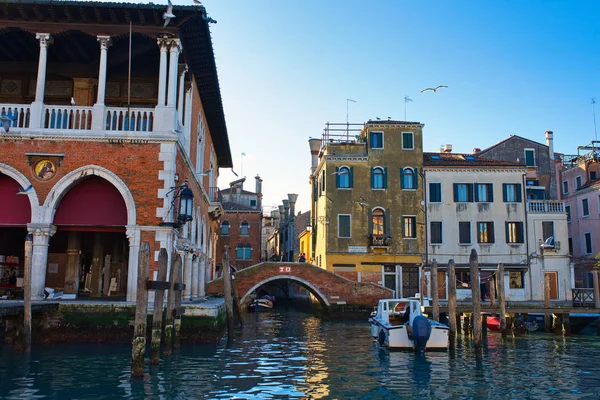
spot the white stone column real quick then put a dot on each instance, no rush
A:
(173, 71)
(180, 97)
(195, 267)
(39, 260)
(99, 109)
(187, 128)
(162, 72)
(187, 274)
(202, 276)
(37, 107)
(133, 235)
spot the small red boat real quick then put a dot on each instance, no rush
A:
(493, 323)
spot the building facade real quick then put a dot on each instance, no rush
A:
(102, 160)
(241, 225)
(366, 216)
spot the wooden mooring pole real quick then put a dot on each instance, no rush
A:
(175, 266)
(596, 278)
(435, 291)
(492, 291)
(227, 293)
(157, 316)
(476, 293)
(452, 320)
(177, 311)
(236, 301)
(547, 315)
(141, 312)
(501, 299)
(26, 336)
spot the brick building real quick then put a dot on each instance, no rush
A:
(102, 147)
(241, 224)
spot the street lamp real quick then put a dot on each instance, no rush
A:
(185, 207)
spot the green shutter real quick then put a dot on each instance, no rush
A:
(470, 192)
(370, 221)
(504, 197)
(337, 177)
(455, 192)
(490, 192)
(386, 222)
(416, 178)
(521, 238)
(401, 178)
(351, 177)
(372, 178)
(507, 233)
(519, 196)
(385, 178)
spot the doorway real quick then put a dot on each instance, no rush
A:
(553, 279)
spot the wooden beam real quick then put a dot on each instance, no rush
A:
(157, 316)
(158, 285)
(141, 312)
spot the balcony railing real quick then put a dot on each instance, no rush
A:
(545, 206)
(583, 297)
(213, 195)
(67, 117)
(380, 240)
(19, 113)
(129, 119)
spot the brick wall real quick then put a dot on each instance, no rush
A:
(234, 238)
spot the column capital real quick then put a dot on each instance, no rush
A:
(105, 42)
(175, 46)
(41, 232)
(163, 43)
(133, 234)
(44, 38)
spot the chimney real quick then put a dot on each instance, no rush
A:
(315, 146)
(281, 215)
(292, 197)
(447, 148)
(476, 150)
(286, 209)
(275, 217)
(258, 192)
(550, 144)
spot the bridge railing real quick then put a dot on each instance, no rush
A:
(583, 297)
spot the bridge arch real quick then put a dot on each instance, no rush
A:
(320, 296)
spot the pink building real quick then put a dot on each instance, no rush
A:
(579, 185)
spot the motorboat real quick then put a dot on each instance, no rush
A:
(266, 302)
(400, 324)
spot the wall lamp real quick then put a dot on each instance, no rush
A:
(185, 207)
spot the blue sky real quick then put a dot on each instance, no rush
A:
(286, 67)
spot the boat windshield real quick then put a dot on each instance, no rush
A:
(398, 306)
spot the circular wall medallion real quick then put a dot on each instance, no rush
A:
(45, 169)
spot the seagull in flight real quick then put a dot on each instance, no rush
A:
(24, 191)
(344, 172)
(361, 202)
(197, 2)
(433, 89)
(168, 14)
(5, 120)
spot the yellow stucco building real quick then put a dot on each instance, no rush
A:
(367, 218)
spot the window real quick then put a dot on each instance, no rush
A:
(343, 179)
(409, 179)
(252, 203)
(592, 175)
(463, 278)
(585, 208)
(409, 227)
(343, 226)
(485, 232)
(512, 192)
(436, 232)
(532, 182)
(514, 232)
(565, 187)
(408, 142)
(378, 222)
(547, 229)
(571, 246)
(243, 252)
(515, 280)
(376, 140)
(435, 192)
(530, 157)
(469, 158)
(323, 181)
(577, 182)
(464, 233)
(224, 228)
(588, 242)
(379, 178)
(244, 229)
(568, 210)
(484, 193)
(463, 192)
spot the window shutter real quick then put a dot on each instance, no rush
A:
(372, 177)
(519, 196)
(337, 177)
(521, 238)
(455, 192)
(386, 223)
(385, 178)
(416, 178)
(401, 178)
(504, 196)
(492, 239)
(477, 199)
(506, 231)
(490, 192)
(370, 222)
(351, 177)
(470, 192)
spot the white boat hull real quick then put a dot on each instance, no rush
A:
(396, 337)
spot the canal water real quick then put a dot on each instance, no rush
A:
(289, 354)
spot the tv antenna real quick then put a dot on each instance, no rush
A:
(593, 102)
(406, 100)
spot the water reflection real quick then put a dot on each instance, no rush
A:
(294, 355)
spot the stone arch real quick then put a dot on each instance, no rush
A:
(61, 188)
(34, 201)
(321, 297)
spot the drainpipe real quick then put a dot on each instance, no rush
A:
(526, 238)
(424, 204)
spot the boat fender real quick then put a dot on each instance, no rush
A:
(381, 338)
(421, 330)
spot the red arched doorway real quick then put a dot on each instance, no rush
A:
(88, 255)
(15, 214)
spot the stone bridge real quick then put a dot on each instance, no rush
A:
(334, 292)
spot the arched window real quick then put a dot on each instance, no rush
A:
(244, 229)
(408, 179)
(224, 228)
(344, 177)
(378, 178)
(378, 222)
